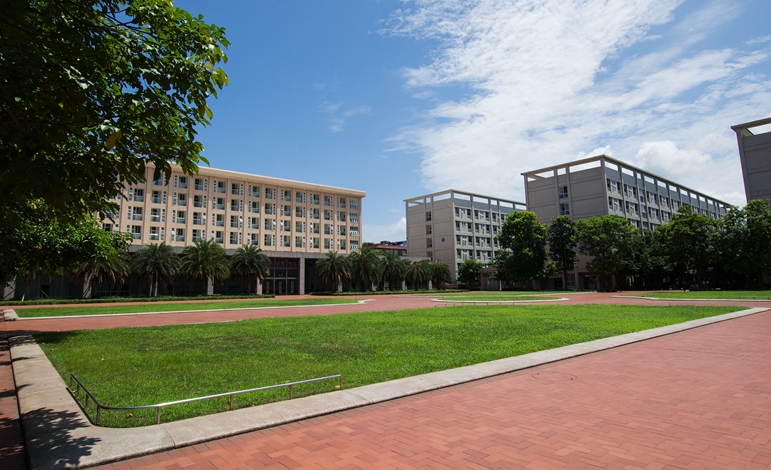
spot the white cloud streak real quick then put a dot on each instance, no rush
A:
(394, 232)
(549, 81)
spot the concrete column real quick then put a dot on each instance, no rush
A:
(339, 287)
(258, 287)
(209, 286)
(301, 276)
(429, 284)
(8, 291)
(87, 292)
(374, 287)
(404, 285)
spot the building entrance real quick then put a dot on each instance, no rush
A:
(283, 277)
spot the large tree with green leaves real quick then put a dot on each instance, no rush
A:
(524, 254)
(469, 271)
(92, 91)
(366, 268)
(250, 263)
(561, 238)
(334, 269)
(155, 263)
(418, 273)
(690, 240)
(394, 268)
(605, 239)
(205, 260)
(107, 267)
(440, 272)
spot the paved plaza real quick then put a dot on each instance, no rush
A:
(695, 399)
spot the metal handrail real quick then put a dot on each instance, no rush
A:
(159, 406)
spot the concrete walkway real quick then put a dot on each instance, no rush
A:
(697, 399)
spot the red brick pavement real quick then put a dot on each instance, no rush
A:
(11, 441)
(699, 399)
(378, 303)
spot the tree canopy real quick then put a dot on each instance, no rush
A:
(469, 271)
(92, 91)
(523, 240)
(606, 239)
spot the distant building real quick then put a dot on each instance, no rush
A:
(400, 248)
(602, 185)
(755, 155)
(452, 226)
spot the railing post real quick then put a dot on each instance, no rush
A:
(341, 381)
(290, 392)
(98, 413)
(158, 416)
(231, 402)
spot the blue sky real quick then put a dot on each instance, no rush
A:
(404, 98)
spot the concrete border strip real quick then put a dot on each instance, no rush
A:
(10, 315)
(59, 317)
(58, 435)
(496, 302)
(669, 299)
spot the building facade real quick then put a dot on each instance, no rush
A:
(602, 185)
(754, 139)
(293, 222)
(452, 226)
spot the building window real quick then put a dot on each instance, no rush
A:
(299, 227)
(327, 243)
(354, 204)
(428, 216)
(269, 240)
(181, 217)
(218, 237)
(286, 241)
(565, 209)
(182, 200)
(183, 182)
(254, 207)
(315, 199)
(300, 197)
(328, 201)
(354, 231)
(254, 191)
(428, 229)
(299, 242)
(341, 244)
(107, 227)
(198, 186)
(563, 192)
(314, 227)
(137, 213)
(197, 220)
(354, 216)
(341, 202)
(254, 239)
(429, 243)
(314, 242)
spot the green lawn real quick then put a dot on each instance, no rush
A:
(134, 366)
(495, 298)
(713, 294)
(173, 307)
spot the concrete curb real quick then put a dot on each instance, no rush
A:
(496, 302)
(59, 317)
(10, 315)
(58, 435)
(660, 299)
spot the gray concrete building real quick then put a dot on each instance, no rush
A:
(602, 185)
(452, 226)
(754, 140)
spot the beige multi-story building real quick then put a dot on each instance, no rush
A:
(755, 155)
(452, 226)
(291, 221)
(602, 185)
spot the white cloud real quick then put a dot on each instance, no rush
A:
(337, 121)
(393, 232)
(549, 81)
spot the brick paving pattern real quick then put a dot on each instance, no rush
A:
(11, 441)
(699, 399)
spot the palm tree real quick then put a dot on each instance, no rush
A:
(155, 262)
(393, 268)
(250, 263)
(366, 269)
(439, 272)
(109, 270)
(334, 269)
(205, 260)
(418, 272)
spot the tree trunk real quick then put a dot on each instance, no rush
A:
(204, 286)
(28, 282)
